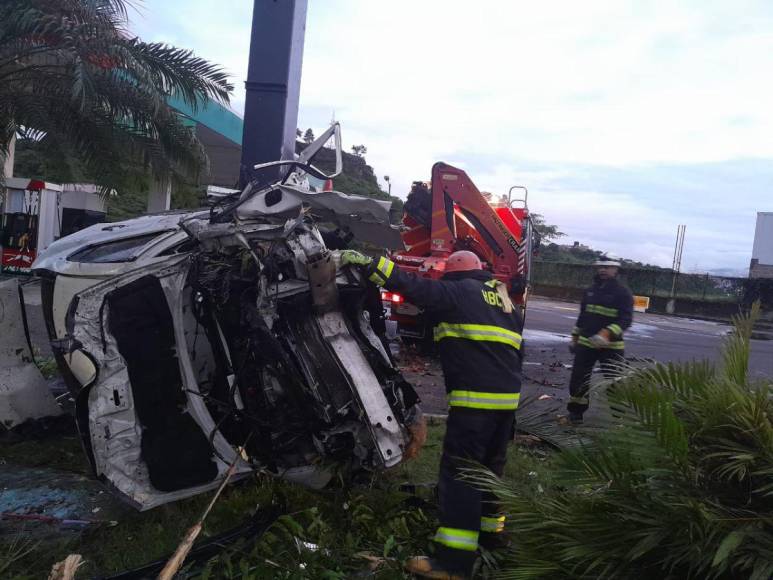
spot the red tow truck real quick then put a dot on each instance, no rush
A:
(451, 214)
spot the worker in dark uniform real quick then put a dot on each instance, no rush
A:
(478, 333)
(605, 313)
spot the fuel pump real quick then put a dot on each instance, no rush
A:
(20, 227)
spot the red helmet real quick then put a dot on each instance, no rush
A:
(463, 261)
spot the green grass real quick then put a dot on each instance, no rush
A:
(47, 366)
(367, 525)
(64, 453)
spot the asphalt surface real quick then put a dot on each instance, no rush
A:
(548, 362)
(660, 337)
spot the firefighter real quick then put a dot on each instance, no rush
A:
(606, 311)
(478, 335)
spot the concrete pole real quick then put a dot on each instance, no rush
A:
(273, 83)
(160, 196)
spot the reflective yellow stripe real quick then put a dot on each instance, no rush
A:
(480, 332)
(615, 328)
(385, 267)
(615, 344)
(480, 400)
(492, 525)
(458, 539)
(579, 400)
(376, 278)
(576, 331)
(585, 342)
(603, 310)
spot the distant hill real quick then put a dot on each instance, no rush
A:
(357, 177)
(580, 254)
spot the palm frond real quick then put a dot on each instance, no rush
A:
(69, 70)
(737, 348)
(676, 485)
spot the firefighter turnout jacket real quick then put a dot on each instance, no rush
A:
(606, 304)
(478, 342)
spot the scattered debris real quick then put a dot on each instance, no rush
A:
(527, 440)
(65, 523)
(24, 392)
(255, 526)
(176, 561)
(66, 569)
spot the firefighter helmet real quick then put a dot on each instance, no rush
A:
(463, 261)
(605, 262)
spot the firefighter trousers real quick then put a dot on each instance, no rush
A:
(473, 436)
(585, 359)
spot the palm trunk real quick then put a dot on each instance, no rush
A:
(8, 158)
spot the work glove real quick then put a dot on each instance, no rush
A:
(417, 431)
(600, 339)
(354, 258)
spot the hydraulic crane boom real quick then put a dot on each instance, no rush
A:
(450, 215)
(504, 243)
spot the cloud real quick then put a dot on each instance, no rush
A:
(624, 118)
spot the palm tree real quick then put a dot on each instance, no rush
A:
(74, 79)
(679, 486)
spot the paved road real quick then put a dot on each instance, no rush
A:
(548, 361)
(663, 338)
(546, 370)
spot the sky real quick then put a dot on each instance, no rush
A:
(623, 118)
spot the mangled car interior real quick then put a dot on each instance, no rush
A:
(240, 338)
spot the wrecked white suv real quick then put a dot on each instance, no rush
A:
(196, 340)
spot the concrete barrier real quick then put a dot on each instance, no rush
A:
(24, 393)
(686, 307)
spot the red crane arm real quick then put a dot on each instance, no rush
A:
(452, 188)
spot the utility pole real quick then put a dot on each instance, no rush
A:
(676, 265)
(273, 83)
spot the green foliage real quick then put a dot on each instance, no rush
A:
(363, 531)
(568, 254)
(680, 486)
(14, 551)
(735, 355)
(546, 232)
(47, 366)
(355, 531)
(364, 183)
(571, 268)
(355, 528)
(93, 97)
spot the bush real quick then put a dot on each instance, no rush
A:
(680, 487)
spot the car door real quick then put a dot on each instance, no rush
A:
(152, 436)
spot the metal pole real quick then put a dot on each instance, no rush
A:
(273, 83)
(676, 265)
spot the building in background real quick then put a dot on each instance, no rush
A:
(762, 252)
